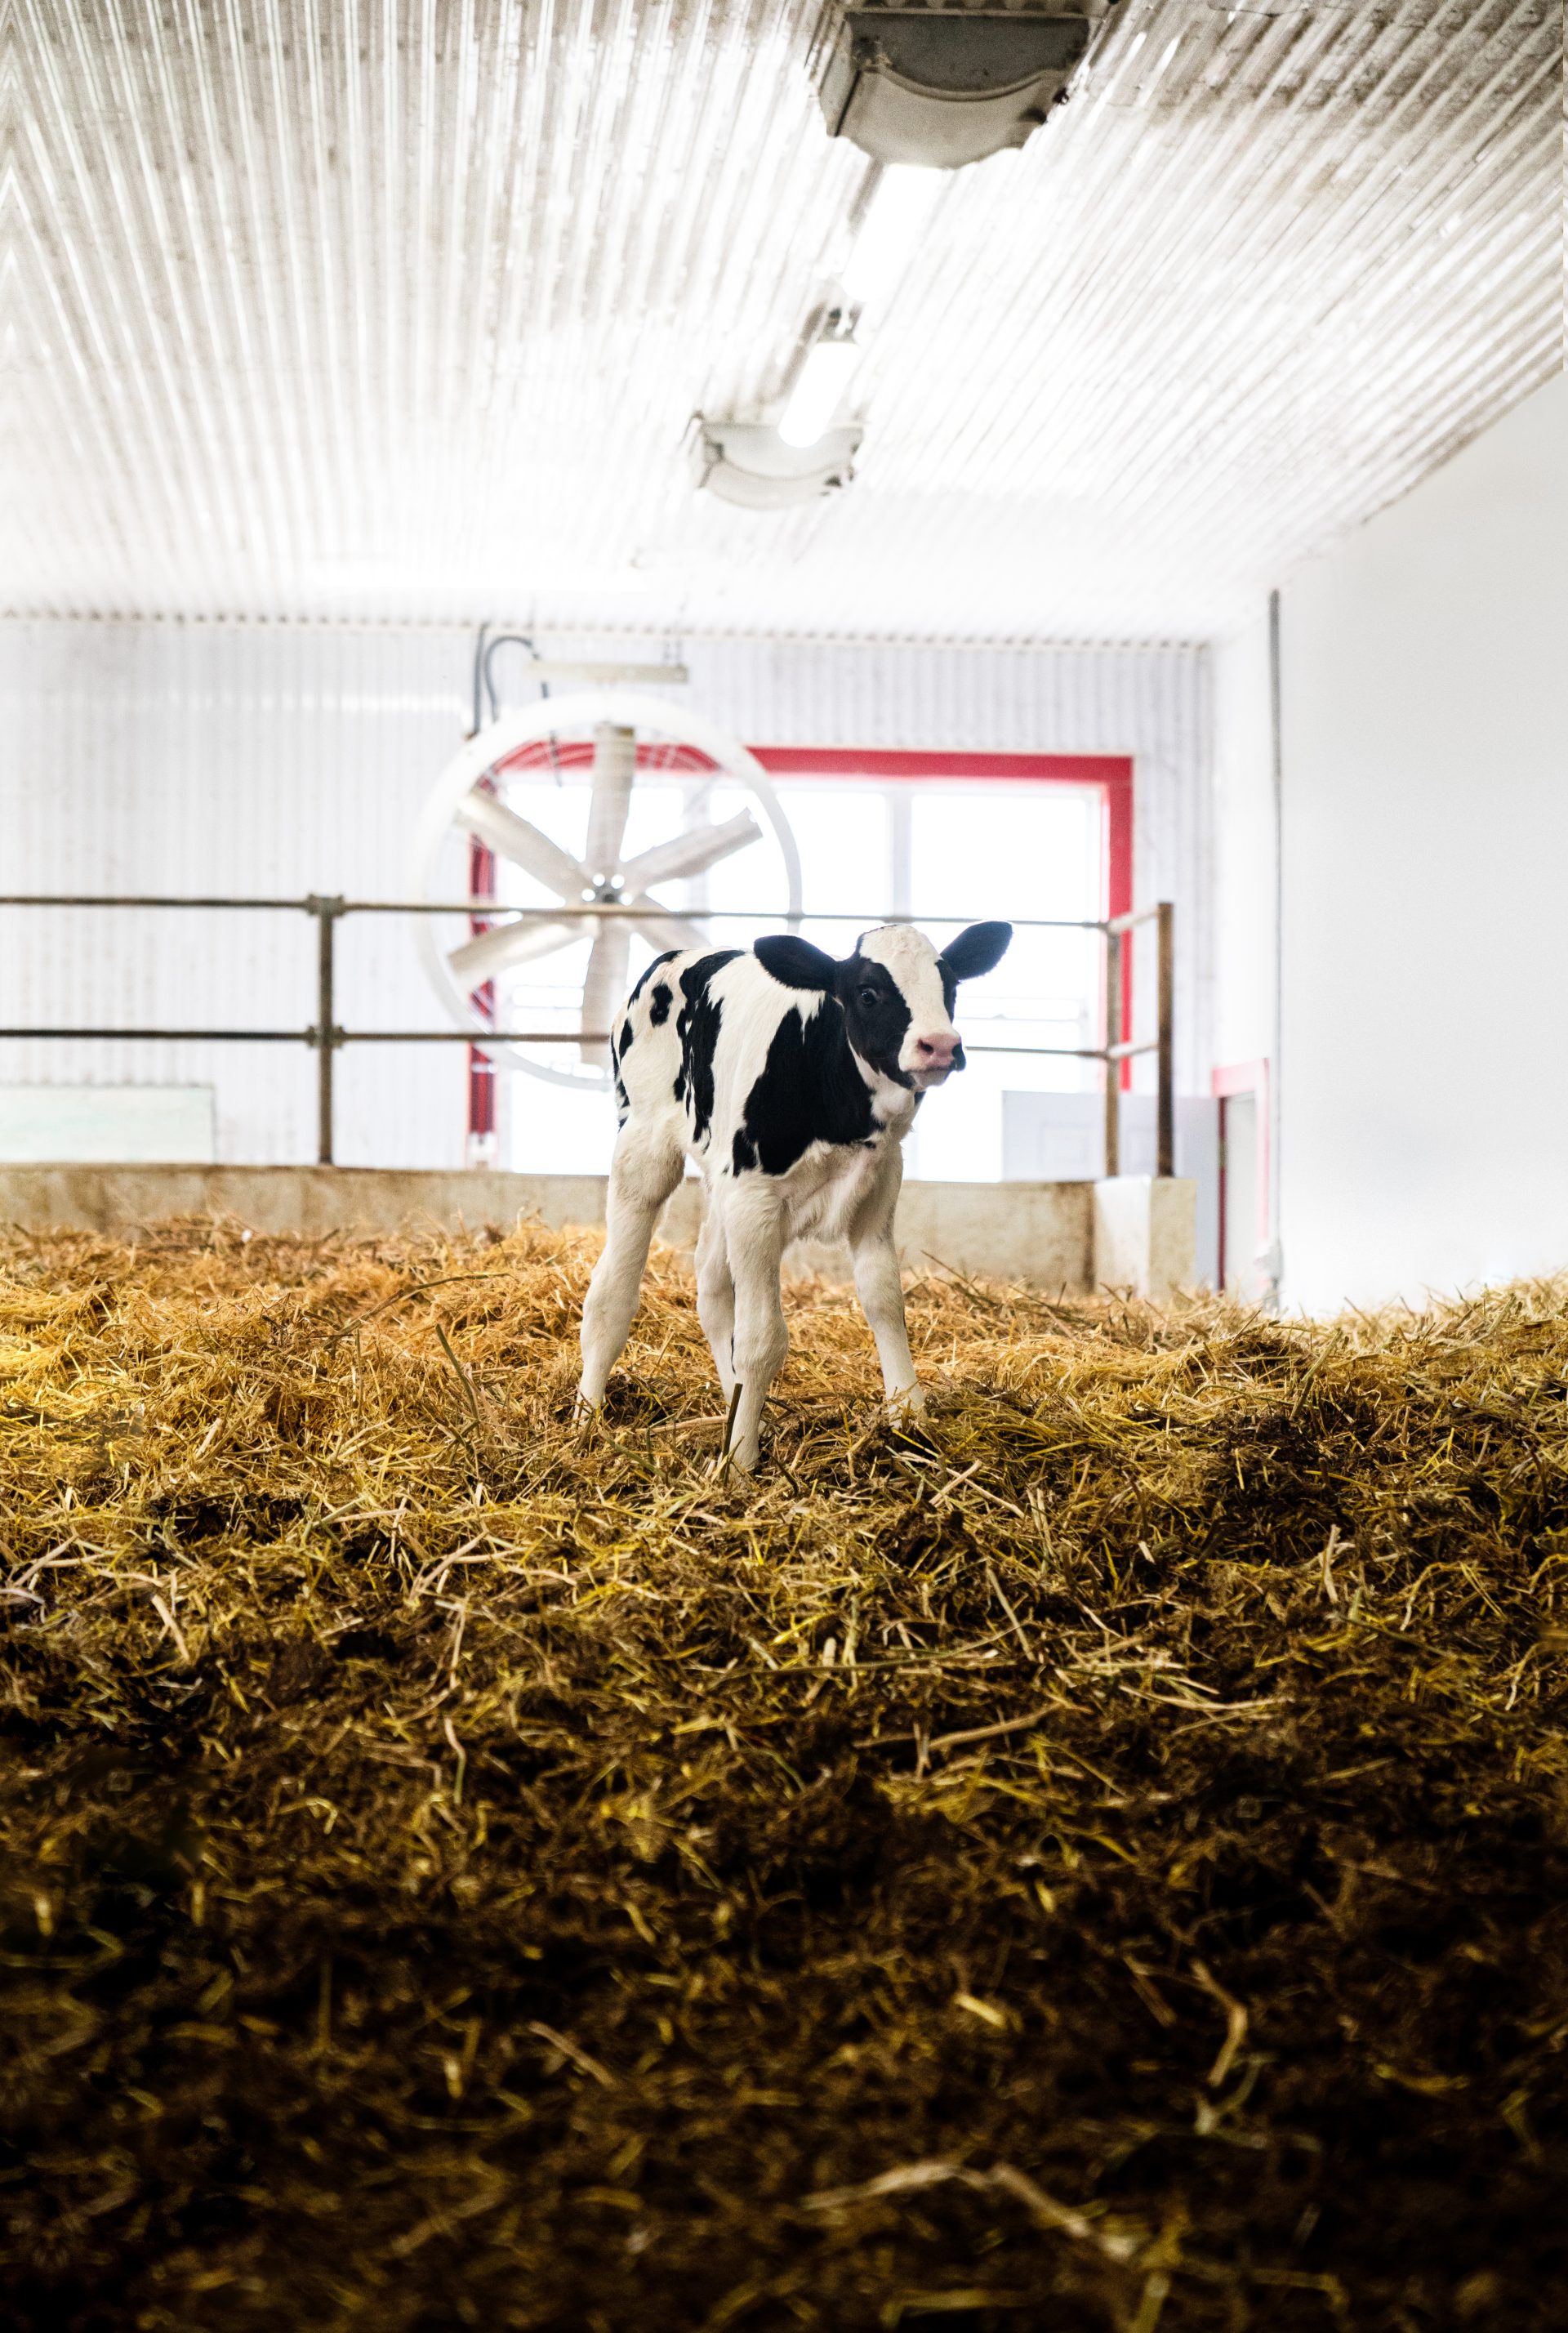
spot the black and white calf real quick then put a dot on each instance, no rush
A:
(792, 1080)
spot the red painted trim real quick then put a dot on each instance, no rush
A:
(1240, 1078)
(577, 754)
(877, 761)
(1246, 1077)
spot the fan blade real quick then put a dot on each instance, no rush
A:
(615, 770)
(605, 985)
(663, 931)
(701, 847)
(523, 844)
(482, 957)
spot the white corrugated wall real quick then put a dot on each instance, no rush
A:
(253, 761)
(280, 760)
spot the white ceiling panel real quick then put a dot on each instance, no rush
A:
(401, 308)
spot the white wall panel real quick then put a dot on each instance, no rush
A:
(279, 759)
(1244, 854)
(1423, 1094)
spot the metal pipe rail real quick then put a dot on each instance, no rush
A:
(1163, 1043)
(326, 1037)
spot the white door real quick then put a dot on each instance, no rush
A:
(1242, 1235)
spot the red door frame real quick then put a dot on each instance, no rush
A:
(1111, 772)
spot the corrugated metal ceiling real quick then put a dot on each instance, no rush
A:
(402, 307)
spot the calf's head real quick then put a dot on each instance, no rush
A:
(897, 992)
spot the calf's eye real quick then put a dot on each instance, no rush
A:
(868, 996)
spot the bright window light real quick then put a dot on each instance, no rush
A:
(818, 390)
(896, 219)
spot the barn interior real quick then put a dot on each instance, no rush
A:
(493, 491)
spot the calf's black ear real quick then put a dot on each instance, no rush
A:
(979, 949)
(795, 961)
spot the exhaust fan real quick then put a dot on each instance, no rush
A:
(945, 82)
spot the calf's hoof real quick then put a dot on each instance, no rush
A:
(909, 1401)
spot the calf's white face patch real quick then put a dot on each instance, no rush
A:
(931, 1049)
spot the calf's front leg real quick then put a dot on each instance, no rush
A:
(879, 1285)
(754, 1239)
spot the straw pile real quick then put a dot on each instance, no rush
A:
(1099, 1864)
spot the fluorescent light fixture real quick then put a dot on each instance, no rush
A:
(818, 390)
(917, 81)
(748, 463)
(896, 219)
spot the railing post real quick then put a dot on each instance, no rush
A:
(1112, 1067)
(326, 1036)
(1165, 1160)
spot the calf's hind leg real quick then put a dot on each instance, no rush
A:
(644, 1170)
(716, 1293)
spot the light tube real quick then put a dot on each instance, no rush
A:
(818, 390)
(896, 219)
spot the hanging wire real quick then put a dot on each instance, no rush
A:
(485, 683)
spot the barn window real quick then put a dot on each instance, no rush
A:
(881, 834)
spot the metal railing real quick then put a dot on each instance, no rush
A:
(326, 1038)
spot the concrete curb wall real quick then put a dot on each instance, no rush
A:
(1133, 1233)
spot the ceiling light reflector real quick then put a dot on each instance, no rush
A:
(945, 85)
(747, 462)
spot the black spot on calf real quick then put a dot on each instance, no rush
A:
(698, 1029)
(978, 950)
(794, 961)
(876, 1012)
(809, 1091)
(647, 974)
